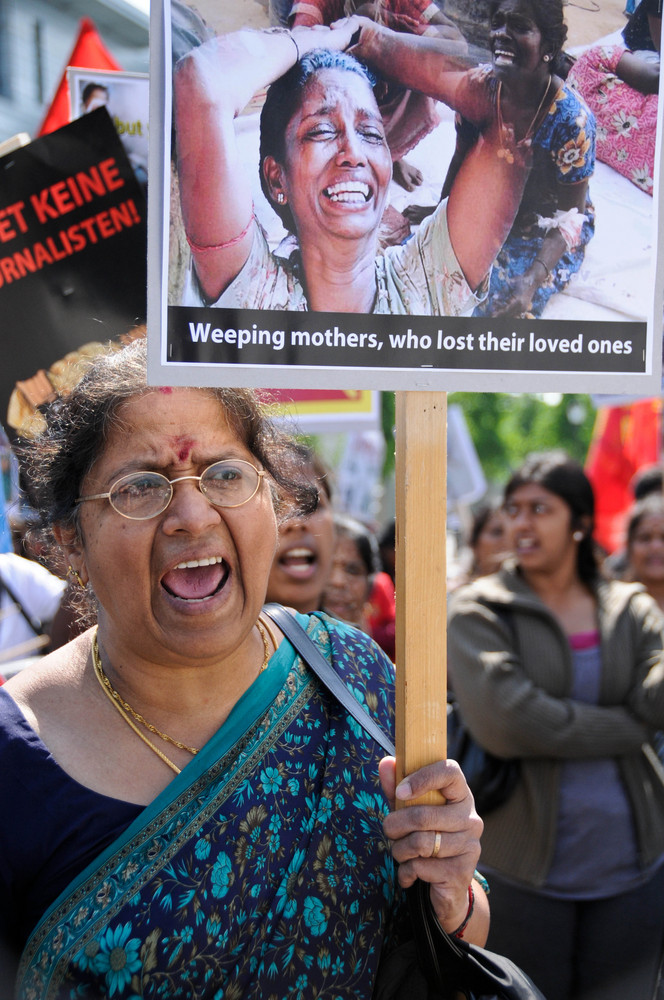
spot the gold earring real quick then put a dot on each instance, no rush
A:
(76, 575)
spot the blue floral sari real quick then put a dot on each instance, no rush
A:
(261, 871)
(563, 153)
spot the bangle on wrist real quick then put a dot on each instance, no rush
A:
(286, 31)
(459, 932)
(536, 260)
(297, 49)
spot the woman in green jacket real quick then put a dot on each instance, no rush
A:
(563, 670)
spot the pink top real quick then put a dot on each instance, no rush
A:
(584, 640)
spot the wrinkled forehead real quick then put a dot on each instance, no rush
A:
(333, 88)
(158, 408)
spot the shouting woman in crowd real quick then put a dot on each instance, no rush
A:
(191, 810)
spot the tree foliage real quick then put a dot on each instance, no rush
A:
(505, 427)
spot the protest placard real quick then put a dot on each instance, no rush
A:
(275, 263)
(323, 410)
(72, 246)
(251, 322)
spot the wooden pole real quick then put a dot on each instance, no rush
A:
(421, 580)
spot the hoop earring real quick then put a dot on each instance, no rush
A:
(76, 575)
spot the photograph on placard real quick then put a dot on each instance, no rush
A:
(126, 98)
(409, 158)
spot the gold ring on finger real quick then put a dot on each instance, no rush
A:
(436, 844)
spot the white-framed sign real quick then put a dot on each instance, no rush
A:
(601, 333)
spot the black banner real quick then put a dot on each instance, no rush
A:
(374, 341)
(73, 245)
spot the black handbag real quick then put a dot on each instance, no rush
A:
(490, 779)
(436, 966)
(431, 965)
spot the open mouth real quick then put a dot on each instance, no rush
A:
(299, 563)
(349, 192)
(504, 55)
(197, 579)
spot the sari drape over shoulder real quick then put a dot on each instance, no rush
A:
(261, 871)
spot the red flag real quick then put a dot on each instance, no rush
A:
(625, 439)
(89, 52)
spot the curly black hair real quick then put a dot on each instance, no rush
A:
(54, 464)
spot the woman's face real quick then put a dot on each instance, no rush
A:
(491, 546)
(539, 525)
(302, 562)
(187, 584)
(338, 166)
(348, 587)
(646, 550)
(516, 41)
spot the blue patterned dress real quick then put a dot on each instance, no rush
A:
(563, 153)
(261, 871)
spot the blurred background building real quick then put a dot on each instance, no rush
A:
(36, 38)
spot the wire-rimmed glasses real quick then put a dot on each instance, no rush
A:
(142, 495)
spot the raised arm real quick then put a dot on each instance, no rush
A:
(488, 187)
(211, 86)
(432, 64)
(484, 199)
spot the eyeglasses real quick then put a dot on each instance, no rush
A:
(142, 495)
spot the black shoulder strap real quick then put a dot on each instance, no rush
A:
(326, 673)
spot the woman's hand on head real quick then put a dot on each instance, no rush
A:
(338, 36)
(413, 831)
(359, 31)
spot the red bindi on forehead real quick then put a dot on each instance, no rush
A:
(182, 446)
(165, 390)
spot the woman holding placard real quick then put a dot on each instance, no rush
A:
(188, 809)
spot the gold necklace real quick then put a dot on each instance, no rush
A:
(504, 152)
(127, 712)
(266, 623)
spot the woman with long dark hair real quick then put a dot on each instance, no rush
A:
(555, 666)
